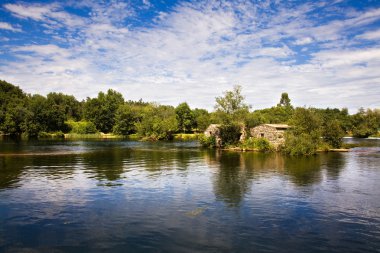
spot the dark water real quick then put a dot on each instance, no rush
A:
(115, 196)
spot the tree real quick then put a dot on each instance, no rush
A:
(11, 96)
(365, 123)
(125, 119)
(232, 105)
(157, 122)
(303, 138)
(285, 100)
(101, 110)
(333, 133)
(202, 119)
(185, 117)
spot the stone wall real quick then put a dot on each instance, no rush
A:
(273, 135)
(214, 130)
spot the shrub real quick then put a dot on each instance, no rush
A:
(303, 144)
(81, 127)
(45, 135)
(207, 141)
(263, 144)
(333, 134)
(260, 144)
(230, 134)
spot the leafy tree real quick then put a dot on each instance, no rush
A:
(304, 136)
(285, 100)
(365, 123)
(81, 127)
(202, 119)
(185, 117)
(232, 106)
(37, 117)
(14, 122)
(230, 134)
(333, 133)
(102, 110)
(66, 103)
(157, 123)
(125, 118)
(10, 97)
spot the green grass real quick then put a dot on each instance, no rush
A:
(93, 136)
(186, 137)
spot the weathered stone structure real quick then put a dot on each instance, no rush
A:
(214, 130)
(274, 133)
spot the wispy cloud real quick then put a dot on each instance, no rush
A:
(7, 26)
(196, 50)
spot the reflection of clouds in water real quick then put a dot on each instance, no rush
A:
(354, 192)
(248, 199)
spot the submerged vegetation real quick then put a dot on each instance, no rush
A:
(108, 114)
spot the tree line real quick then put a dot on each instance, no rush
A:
(34, 115)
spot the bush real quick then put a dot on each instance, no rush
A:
(260, 144)
(303, 144)
(230, 134)
(157, 123)
(45, 135)
(81, 127)
(333, 134)
(205, 141)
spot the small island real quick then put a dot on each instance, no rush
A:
(233, 125)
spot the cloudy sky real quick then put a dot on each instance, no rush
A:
(323, 53)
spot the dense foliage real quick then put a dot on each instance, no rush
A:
(37, 115)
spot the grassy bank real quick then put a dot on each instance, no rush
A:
(186, 137)
(93, 136)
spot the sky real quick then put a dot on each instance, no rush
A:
(322, 53)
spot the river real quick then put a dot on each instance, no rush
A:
(124, 196)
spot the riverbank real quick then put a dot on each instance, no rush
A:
(258, 150)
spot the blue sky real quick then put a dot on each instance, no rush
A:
(323, 53)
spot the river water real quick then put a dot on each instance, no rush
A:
(123, 196)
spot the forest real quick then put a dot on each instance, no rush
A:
(37, 116)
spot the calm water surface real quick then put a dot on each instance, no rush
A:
(120, 196)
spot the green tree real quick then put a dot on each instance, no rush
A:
(125, 119)
(285, 100)
(14, 122)
(185, 117)
(230, 134)
(102, 109)
(232, 106)
(304, 136)
(37, 117)
(202, 119)
(81, 127)
(11, 96)
(365, 123)
(333, 133)
(157, 122)
(66, 103)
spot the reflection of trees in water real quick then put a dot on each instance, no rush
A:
(334, 164)
(10, 171)
(111, 164)
(305, 171)
(231, 183)
(106, 165)
(13, 168)
(235, 171)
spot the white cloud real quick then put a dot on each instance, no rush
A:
(370, 35)
(303, 41)
(7, 26)
(34, 12)
(197, 51)
(51, 13)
